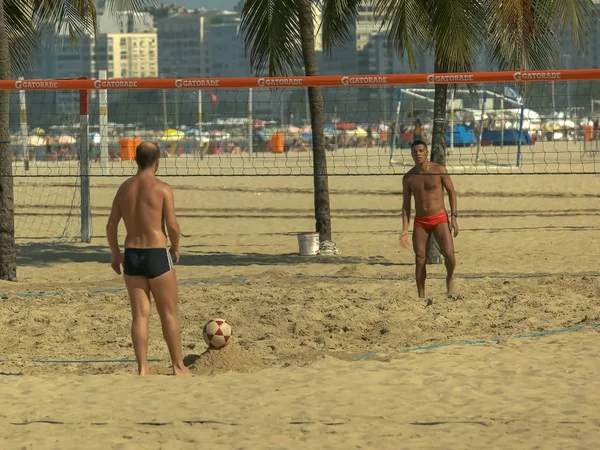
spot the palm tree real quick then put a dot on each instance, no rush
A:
(280, 39)
(20, 23)
(518, 34)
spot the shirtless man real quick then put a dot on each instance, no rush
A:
(146, 205)
(427, 181)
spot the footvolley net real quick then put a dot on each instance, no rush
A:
(65, 132)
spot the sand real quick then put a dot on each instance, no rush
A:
(327, 352)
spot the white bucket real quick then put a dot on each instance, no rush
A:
(308, 244)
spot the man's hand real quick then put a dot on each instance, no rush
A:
(454, 226)
(404, 239)
(116, 261)
(174, 255)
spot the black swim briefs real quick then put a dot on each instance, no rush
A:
(146, 262)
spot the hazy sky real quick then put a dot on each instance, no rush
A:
(208, 4)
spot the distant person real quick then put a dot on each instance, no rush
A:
(418, 131)
(426, 182)
(146, 204)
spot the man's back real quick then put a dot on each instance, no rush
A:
(141, 200)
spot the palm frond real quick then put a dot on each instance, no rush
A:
(526, 34)
(114, 7)
(339, 22)
(407, 24)
(520, 36)
(21, 33)
(271, 31)
(25, 19)
(576, 16)
(457, 31)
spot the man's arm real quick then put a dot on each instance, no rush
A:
(170, 218)
(406, 199)
(112, 227)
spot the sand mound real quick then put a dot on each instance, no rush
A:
(350, 270)
(229, 359)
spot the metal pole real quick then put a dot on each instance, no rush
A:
(501, 122)
(452, 122)
(250, 125)
(481, 126)
(282, 111)
(520, 132)
(200, 123)
(23, 128)
(165, 113)
(84, 164)
(103, 122)
(307, 107)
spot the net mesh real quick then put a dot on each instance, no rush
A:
(496, 123)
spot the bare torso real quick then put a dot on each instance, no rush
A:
(427, 189)
(141, 200)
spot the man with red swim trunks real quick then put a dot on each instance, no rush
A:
(427, 181)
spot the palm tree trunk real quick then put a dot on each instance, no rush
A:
(438, 149)
(315, 101)
(8, 254)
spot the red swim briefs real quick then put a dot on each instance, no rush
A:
(428, 223)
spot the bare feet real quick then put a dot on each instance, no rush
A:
(180, 369)
(144, 370)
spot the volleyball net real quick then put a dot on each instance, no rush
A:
(65, 132)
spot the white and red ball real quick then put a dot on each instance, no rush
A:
(217, 333)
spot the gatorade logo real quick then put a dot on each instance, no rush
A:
(536, 76)
(196, 83)
(22, 84)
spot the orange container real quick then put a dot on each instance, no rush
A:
(127, 145)
(277, 142)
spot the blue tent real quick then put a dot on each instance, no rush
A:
(463, 135)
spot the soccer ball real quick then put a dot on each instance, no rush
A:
(217, 333)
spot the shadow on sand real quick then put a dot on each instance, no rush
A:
(40, 255)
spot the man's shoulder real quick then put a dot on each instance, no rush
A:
(412, 171)
(436, 168)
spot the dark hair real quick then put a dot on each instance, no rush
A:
(418, 142)
(146, 154)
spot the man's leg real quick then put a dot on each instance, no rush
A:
(164, 290)
(139, 297)
(443, 237)
(420, 237)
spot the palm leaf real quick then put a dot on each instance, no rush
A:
(339, 22)
(26, 18)
(408, 25)
(457, 31)
(271, 30)
(574, 15)
(525, 34)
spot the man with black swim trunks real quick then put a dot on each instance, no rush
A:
(146, 206)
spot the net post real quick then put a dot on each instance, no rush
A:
(84, 163)
(201, 144)
(103, 122)
(250, 124)
(397, 125)
(23, 127)
(520, 132)
(452, 122)
(480, 137)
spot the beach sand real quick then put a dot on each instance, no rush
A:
(328, 352)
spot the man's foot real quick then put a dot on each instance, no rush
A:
(144, 370)
(181, 370)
